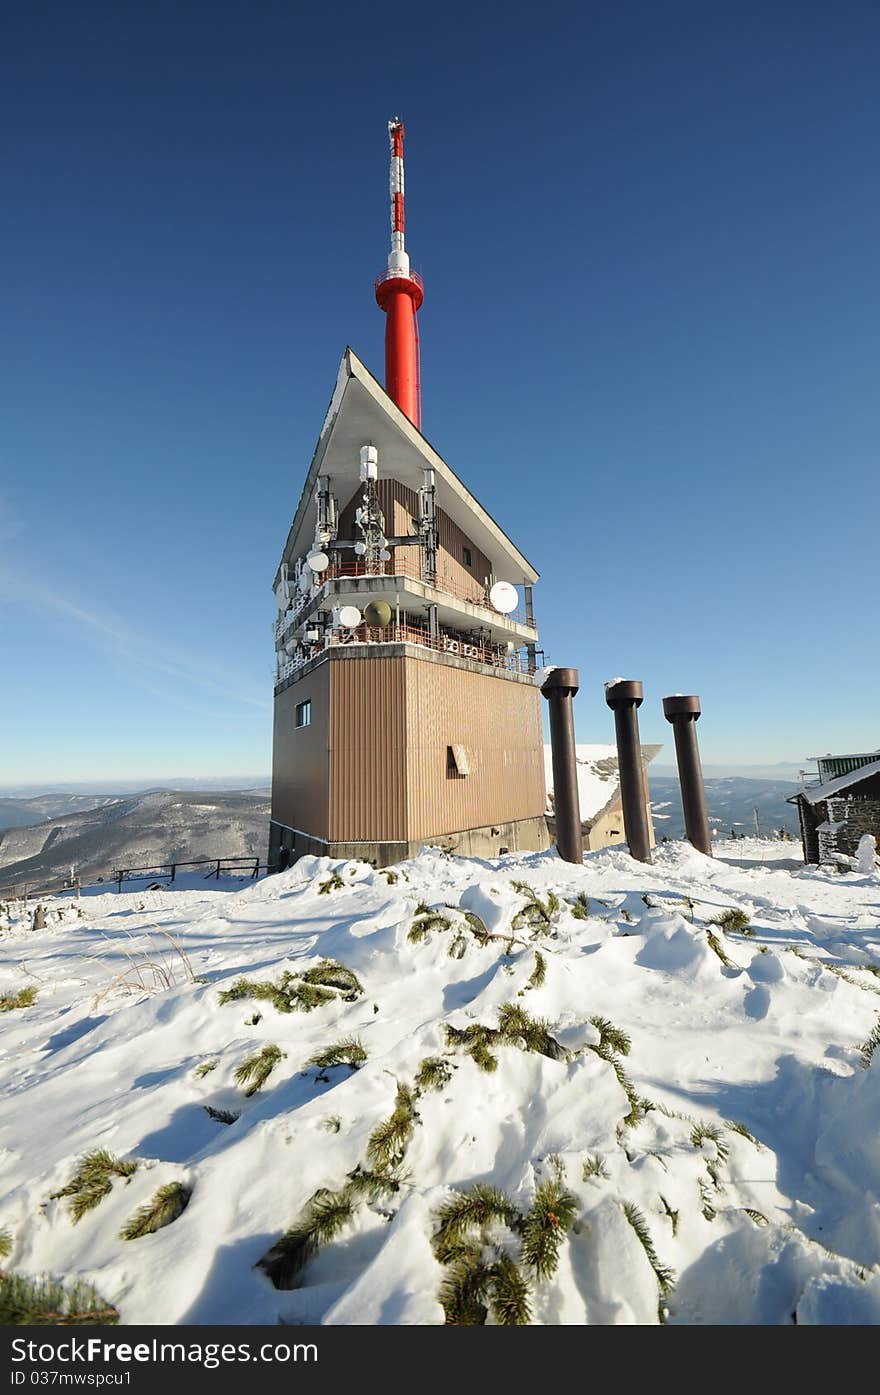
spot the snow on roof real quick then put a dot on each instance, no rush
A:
(598, 777)
(815, 794)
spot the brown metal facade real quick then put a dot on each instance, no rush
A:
(373, 765)
(301, 756)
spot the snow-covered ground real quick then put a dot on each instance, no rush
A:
(778, 1227)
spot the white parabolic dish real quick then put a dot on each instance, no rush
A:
(318, 561)
(503, 597)
(350, 617)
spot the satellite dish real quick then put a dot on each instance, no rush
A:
(378, 613)
(350, 617)
(504, 597)
(318, 561)
(360, 548)
(384, 555)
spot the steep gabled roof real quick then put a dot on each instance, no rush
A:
(360, 413)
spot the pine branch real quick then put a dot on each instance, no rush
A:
(517, 1028)
(868, 1047)
(166, 1205)
(476, 1041)
(464, 1291)
(331, 974)
(732, 921)
(580, 906)
(371, 1186)
(49, 1302)
(350, 1052)
(464, 1211)
(508, 1293)
(222, 1116)
(321, 1220)
(5, 1244)
(333, 883)
(595, 1166)
(673, 1216)
(389, 1141)
(612, 1040)
(551, 1216)
(433, 1074)
(736, 1127)
(205, 1068)
(539, 972)
(92, 1181)
(665, 1276)
(717, 948)
(256, 1069)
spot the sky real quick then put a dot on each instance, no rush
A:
(649, 346)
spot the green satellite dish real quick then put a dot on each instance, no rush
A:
(378, 613)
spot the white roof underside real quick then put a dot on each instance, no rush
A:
(815, 794)
(598, 777)
(362, 413)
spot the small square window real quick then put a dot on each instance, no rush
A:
(303, 713)
(468, 557)
(457, 763)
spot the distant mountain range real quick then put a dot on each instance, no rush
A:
(145, 829)
(731, 803)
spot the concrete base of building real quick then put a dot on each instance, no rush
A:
(287, 845)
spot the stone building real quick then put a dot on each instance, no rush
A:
(842, 806)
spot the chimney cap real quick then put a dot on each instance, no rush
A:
(566, 680)
(680, 705)
(622, 690)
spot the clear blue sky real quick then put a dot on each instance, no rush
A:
(649, 235)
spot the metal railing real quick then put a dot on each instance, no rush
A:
(25, 891)
(475, 595)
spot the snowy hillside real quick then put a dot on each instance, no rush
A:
(569, 1096)
(155, 827)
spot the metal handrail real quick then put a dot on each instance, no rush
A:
(401, 567)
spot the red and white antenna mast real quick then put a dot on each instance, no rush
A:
(400, 292)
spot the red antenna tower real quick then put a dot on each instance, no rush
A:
(400, 292)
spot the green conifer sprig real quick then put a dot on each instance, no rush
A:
(477, 1041)
(389, 1140)
(321, 1220)
(166, 1204)
(332, 883)
(539, 972)
(93, 1180)
(458, 945)
(595, 1166)
(478, 928)
(536, 915)
(580, 906)
(5, 1244)
(517, 1028)
(255, 1070)
(300, 992)
(365, 1185)
(551, 1216)
(464, 1291)
(349, 1051)
(205, 1068)
(508, 1293)
(425, 920)
(24, 998)
(612, 1040)
(463, 1212)
(50, 1302)
(433, 1074)
(222, 1116)
(869, 1046)
(665, 1276)
(732, 921)
(702, 1133)
(736, 1127)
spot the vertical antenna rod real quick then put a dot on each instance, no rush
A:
(399, 292)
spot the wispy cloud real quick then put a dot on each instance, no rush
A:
(112, 635)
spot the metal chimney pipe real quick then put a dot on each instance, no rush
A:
(684, 713)
(624, 698)
(559, 688)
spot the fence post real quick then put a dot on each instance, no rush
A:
(119, 880)
(173, 870)
(218, 869)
